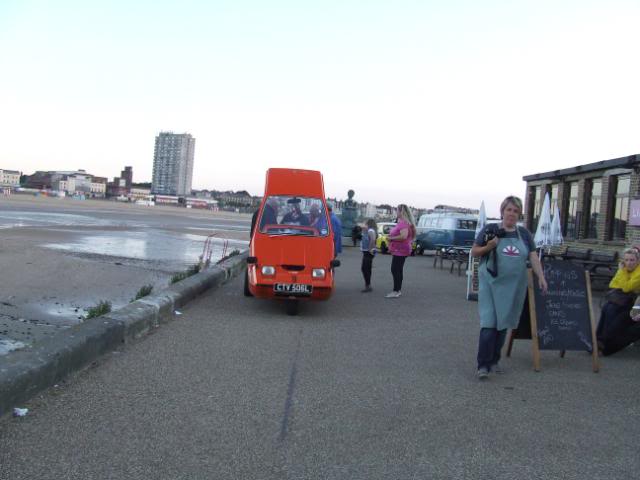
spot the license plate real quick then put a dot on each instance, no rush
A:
(299, 289)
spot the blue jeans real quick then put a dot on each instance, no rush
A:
(489, 347)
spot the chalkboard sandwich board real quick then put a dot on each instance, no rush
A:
(562, 319)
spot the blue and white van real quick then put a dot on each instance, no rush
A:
(445, 228)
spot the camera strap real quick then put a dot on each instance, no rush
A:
(493, 257)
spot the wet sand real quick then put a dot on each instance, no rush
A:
(59, 257)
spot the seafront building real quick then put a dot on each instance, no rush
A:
(9, 178)
(599, 202)
(121, 186)
(70, 182)
(173, 164)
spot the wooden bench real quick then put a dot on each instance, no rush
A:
(556, 251)
(461, 258)
(601, 265)
(576, 253)
(458, 255)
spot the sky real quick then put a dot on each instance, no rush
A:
(411, 101)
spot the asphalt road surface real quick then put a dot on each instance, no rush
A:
(359, 387)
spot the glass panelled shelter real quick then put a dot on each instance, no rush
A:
(599, 202)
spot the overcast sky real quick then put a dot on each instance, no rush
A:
(423, 102)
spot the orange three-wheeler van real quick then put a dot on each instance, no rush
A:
(291, 253)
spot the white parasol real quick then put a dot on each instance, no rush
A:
(542, 237)
(472, 270)
(482, 219)
(555, 235)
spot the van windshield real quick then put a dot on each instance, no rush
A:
(467, 224)
(293, 215)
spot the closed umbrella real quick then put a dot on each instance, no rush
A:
(542, 237)
(555, 235)
(482, 219)
(472, 270)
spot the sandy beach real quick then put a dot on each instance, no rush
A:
(59, 257)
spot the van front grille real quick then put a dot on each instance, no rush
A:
(293, 268)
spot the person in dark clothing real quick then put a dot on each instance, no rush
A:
(356, 234)
(254, 219)
(368, 248)
(295, 215)
(336, 227)
(619, 324)
(270, 213)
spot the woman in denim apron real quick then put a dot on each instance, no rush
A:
(503, 282)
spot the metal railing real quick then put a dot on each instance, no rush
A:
(207, 250)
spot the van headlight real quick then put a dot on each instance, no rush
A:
(318, 273)
(268, 271)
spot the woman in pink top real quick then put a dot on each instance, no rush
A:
(400, 238)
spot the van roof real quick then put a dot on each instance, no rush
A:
(291, 181)
(461, 216)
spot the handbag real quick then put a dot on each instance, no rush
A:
(617, 296)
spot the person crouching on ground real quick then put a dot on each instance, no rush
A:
(400, 238)
(619, 325)
(368, 248)
(502, 273)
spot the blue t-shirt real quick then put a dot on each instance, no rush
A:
(525, 234)
(336, 225)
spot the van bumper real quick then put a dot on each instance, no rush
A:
(266, 291)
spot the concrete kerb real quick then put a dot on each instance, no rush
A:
(26, 372)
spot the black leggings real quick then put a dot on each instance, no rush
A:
(367, 260)
(397, 265)
(616, 330)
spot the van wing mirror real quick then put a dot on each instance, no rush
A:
(335, 263)
(252, 260)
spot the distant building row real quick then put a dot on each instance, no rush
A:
(79, 182)
(9, 178)
(172, 173)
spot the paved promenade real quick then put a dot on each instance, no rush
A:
(360, 387)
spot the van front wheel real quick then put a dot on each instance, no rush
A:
(247, 292)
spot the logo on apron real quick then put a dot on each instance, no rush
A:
(511, 251)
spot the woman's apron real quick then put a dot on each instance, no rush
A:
(500, 299)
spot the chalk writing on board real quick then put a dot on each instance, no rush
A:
(567, 292)
(545, 336)
(587, 341)
(562, 314)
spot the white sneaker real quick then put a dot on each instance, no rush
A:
(483, 373)
(393, 295)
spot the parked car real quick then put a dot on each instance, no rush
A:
(382, 243)
(291, 253)
(445, 229)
